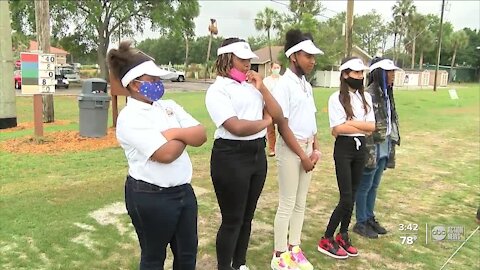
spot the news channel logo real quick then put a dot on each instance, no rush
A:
(447, 233)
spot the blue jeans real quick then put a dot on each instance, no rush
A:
(367, 191)
(163, 216)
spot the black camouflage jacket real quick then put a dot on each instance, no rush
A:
(378, 136)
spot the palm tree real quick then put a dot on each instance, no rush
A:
(394, 28)
(267, 20)
(403, 10)
(417, 26)
(458, 40)
(425, 43)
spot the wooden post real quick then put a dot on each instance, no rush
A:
(439, 47)
(37, 115)
(42, 19)
(349, 29)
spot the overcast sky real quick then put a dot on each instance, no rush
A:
(235, 18)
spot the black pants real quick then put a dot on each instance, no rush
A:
(350, 158)
(162, 217)
(238, 170)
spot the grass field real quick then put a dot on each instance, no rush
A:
(65, 210)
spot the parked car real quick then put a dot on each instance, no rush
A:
(69, 72)
(17, 79)
(61, 81)
(174, 75)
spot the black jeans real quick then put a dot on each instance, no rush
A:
(350, 157)
(238, 170)
(163, 216)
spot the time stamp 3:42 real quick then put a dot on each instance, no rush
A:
(410, 232)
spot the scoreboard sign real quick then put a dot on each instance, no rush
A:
(38, 73)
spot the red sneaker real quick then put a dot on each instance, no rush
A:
(344, 241)
(330, 247)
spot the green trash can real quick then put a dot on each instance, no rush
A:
(93, 103)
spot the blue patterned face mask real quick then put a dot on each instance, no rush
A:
(152, 90)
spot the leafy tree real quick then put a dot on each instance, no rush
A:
(367, 31)
(417, 25)
(425, 42)
(268, 20)
(260, 42)
(168, 49)
(470, 56)
(434, 26)
(301, 7)
(97, 20)
(80, 51)
(458, 41)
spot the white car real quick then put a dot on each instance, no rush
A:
(173, 75)
(70, 74)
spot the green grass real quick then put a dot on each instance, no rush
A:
(48, 201)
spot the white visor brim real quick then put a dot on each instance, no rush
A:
(306, 46)
(385, 64)
(145, 68)
(240, 49)
(355, 64)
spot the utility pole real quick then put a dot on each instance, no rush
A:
(42, 19)
(349, 29)
(439, 47)
(212, 28)
(8, 117)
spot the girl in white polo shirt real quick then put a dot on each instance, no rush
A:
(351, 117)
(294, 94)
(154, 133)
(240, 106)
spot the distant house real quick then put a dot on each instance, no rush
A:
(60, 54)
(331, 78)
(263, 62)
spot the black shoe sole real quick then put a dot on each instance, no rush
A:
(364, 235)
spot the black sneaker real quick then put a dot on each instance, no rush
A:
(376, 226)
(363, 229)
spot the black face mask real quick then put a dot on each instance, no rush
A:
(354, 83)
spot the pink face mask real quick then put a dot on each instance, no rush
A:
(237, 75)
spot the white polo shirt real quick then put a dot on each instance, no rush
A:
(271, 82)
(228, 98)
(139, 128)
(338, 116)
(295, 96)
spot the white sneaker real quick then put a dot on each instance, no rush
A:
(284, 262)
(243, 267)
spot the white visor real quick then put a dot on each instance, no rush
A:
(145, 68)
(385, 64)
(241, 49)
(354, 64)
(306, 46)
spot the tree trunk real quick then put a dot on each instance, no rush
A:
(208, 54)
(42, 19)
(269, 46)
(101, 56)
(453, 63)
(420, 64)
(413, 53)
(395, 47)
(399, 41)
(186, 54)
